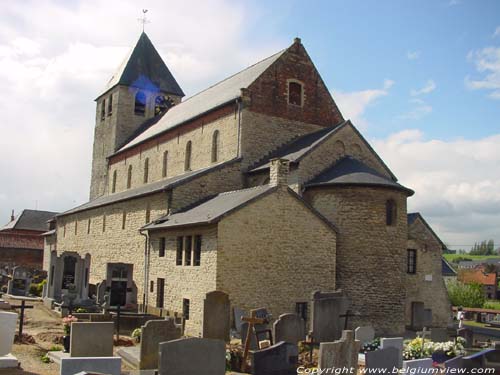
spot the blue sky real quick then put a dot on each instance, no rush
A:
(420, 79)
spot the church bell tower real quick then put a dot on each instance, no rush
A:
(142, 88)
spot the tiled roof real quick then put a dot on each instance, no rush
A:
(144, 68)
(31, 220)
(215, 96)
(350, 171)
(477, 276)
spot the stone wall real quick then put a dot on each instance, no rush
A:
(273, 253)
(427, 284)
(50, 244)
(371, 256)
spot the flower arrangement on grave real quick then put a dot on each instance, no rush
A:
(136, 334)
(67, 323)
(418, 348)
(370, 346)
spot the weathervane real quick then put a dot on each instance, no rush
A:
(143, 19)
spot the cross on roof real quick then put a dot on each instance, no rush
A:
(143, 19)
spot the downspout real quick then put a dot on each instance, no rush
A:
(146, 270)
(239, 104)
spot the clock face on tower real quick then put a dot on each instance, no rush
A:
(162, 104)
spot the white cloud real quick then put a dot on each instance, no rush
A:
(419, 109)
(55, 57)
(453, 2)
(497, 32)
(457, 182)
(413, 55)
(487, 62)
(429, 87)
(354, 104)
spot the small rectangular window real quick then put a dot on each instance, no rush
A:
(103, 223)
(151, 286)
(412, 261)
(124, 220)
(301, 310)
(187, 250)
(197, 251)
(160, 290)
(185, 309)
(161, 252)
(178, 258)
(295, 93)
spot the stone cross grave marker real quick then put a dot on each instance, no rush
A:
(340, 354)
(290, 328)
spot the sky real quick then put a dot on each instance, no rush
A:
(420, 80)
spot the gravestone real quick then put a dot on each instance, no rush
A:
(468, 335)
(417, 316)
(216, 316)
(427, 318)
(387, 359)
(103, 365)
(364, 334)
(417, 366)
(456, 362)
(153, 333)
(8, 321)
(20, 283)
(289, 328)
(340, 354)
(192, 356)
(327, 325)
(279, 359)
(238, 314)
(393, 342)
(259, 329)
(439, 334)
(91, 339)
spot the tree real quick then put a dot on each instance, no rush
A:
(465, 295)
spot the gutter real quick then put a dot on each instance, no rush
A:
(146, 269)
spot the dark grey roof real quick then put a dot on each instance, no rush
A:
(215, 96)
(298, 148)
(49, 233)
(350, 171)
(212, 210)
(475, 263)
(412, 216)
(31, 220)
(447, 269)
(151, 188)
(144, 68)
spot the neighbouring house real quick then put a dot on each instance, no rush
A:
(489, 281)
(256, 186)
(448, 271)
(469, 264)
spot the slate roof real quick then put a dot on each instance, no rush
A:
(477, 263)
(213, 97)
(146, 189)
(30, 220)
(298, 148)
(447, 269)
(350, 171)
(412, 216)
(144, 68)
(212, 210)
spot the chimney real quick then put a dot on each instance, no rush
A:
(12, 217)
(278, 172)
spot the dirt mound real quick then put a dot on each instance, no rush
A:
(52, 337)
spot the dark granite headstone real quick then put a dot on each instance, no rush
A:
(279, 359)
(468, 335)
(387, 359)
(290, 328)
(327, 325)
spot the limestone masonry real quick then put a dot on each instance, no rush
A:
(256, 186)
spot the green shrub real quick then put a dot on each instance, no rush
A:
(37, 289)
(55, 348)
(45, 358)
(465, 295)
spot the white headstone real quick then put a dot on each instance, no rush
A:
(8, 322)
(364, 334)
(393, 342)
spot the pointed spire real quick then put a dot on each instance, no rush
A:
(144, 68)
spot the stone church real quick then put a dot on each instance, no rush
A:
(256, 186)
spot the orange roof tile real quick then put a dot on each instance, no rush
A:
(477, 276)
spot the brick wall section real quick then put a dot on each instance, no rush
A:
(201, 141)
(371, 257)
(31, 258)
(21, 239)
(264, 261)
(191, 282)
(269, 93)
(432, 293)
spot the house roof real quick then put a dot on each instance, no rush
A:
(144, 68)
(147, 189)
(350, 171)
(212, 210)
(224, 92)
(477, 276)
(477, 263)
(447, 269)
(412, 216)
(30, 220)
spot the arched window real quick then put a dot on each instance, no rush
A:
(103, 109)
(146, 170)
(187, 161)
(390, 212)
(295, 93)
(165, 164)
(215, 146)
(110, 105)
(113, 184)
(140, 103)
(129, 177)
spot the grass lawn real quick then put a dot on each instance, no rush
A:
(451, 257)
